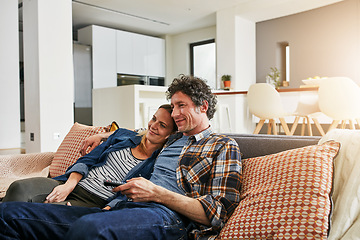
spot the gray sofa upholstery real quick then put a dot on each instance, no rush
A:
(260, 145)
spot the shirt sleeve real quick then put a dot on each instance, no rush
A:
(223, 194)
(214, 179)
(83, 164)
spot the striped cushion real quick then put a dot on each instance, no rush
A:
(285, 195)
(69, 150)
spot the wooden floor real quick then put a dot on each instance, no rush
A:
(20, 150)
(12, 151)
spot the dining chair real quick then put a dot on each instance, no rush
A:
(265, 103)
(307, 110)
(339, 98)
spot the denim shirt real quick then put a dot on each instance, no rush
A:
(120, 139)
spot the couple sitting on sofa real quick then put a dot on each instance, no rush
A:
(105, 163)
(195, 183)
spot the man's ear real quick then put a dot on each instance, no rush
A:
(204, 107)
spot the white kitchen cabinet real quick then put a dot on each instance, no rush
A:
(155, 57)
(124, 52)
(103, 42)
(140, 54)
(116, 51)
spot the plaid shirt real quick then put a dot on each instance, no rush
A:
(210, 171)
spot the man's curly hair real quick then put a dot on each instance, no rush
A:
(196, 89)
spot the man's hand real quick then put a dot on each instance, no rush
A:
(139, 190)
(92, 142)
(142, 190)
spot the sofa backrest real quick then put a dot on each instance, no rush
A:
(255, 145)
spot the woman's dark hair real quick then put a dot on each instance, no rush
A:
(196, 89)
(168, 108)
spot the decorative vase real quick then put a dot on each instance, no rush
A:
(227, 84)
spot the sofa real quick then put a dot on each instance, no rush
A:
(294, 187)
(298, 187)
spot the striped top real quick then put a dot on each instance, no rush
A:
(118, 164)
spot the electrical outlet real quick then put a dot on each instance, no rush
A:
(32, 137)
(56, 136)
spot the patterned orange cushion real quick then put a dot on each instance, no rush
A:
(69, 150)
(285, 195)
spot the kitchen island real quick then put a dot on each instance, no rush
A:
(132, 106)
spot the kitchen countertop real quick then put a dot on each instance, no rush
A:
(284, 89)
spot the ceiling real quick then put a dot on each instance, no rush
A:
(160, 17)
(154, 17)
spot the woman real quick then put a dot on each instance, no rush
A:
(123, 156)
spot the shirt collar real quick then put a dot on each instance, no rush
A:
(205, 133)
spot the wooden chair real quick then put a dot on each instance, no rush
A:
(307, 110)
(265, 103)
(339, 98)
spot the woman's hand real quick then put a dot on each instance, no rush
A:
(59, 194)
(92, 142)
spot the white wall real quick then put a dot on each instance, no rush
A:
(9, 77)
(236, 48)
(49, 80)
(226, 43)
(245, 52)
(236, 56)
(178, 51)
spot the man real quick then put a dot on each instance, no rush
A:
(195, 185)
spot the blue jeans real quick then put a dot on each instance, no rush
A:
(128, 220)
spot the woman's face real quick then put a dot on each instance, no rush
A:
(160, 127)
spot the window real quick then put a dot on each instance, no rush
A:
(283, 61)
(203, 61)
(287, 63)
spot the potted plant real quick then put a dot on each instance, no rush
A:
(226, 79)
(274, 77)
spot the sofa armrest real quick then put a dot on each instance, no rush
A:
(19, 166)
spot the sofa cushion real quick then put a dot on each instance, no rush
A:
(20, 166)
(285, 195)
(346, 187)
(69, 150)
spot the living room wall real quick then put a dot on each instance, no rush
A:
(323, 42)
(178, 50)
(9, 79)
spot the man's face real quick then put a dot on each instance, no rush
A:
(189, 119)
